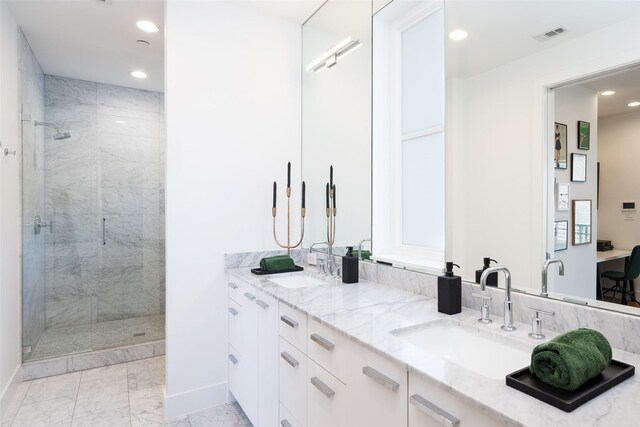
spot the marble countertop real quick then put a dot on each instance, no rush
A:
(367, 312)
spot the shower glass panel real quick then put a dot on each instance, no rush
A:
(93, 270)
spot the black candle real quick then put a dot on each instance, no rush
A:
(275, 189)
(327, 195)
(289, 175)
(331, 176)
(334, 197)
(304, 189)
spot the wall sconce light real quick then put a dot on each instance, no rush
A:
(330, 57)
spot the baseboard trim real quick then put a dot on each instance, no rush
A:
(9, 390)
(180, 404)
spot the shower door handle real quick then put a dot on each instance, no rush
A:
(104, 225)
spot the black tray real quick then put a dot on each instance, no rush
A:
(262, 273)
(528, 383)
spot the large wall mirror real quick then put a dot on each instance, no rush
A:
(522, 105)
(525, 95)
(336, 119)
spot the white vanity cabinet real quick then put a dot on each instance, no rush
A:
(430, 405)
(253, 352)
(287, 369)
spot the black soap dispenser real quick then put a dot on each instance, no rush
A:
(349, 267)
(450, 291)
(492, 280)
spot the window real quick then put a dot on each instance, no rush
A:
(415, 137)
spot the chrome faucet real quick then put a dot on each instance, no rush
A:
(330, 266)
(545, 273)
(508, 305)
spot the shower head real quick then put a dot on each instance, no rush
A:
(59, 135)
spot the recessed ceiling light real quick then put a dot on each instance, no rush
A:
(458, 35)
(607, 92)
(120, 122)
(147, 26)
(633, 104)
(143, 42)
(138, 74)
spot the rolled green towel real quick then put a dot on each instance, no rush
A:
(571, 359)
(365, 254)
(277, 263)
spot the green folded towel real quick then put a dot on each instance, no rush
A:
(571, 359)
(276, 263)
(365, 254)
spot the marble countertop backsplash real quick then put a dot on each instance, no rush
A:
(387, 299)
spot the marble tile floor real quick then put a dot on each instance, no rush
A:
(127, 395)
(67, 340)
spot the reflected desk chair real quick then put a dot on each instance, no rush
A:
(631, 271)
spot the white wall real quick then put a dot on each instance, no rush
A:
(10, 298)
(497, 150)
(572, 104)
(233, 121)
(618, 154)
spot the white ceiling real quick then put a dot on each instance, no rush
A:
(96, 41)
(295, 11)
(625, 83)
(502, 31)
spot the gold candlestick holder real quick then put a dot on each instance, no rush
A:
(331, 221)
(303, 212)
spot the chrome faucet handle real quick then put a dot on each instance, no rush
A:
(484, 310)
(536, 323)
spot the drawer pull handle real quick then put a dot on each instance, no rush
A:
(324, 389)
(233, 359)
(322, 342)
(289, 321)
(233, 311)
(380, 378)
(289, 359)
(285, 423)
(438, 414)
(249, 296)
(233, 285)
(262, 304)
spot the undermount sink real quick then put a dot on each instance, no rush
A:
(482, 352)
(294, 282)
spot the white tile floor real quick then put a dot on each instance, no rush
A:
(128, 395)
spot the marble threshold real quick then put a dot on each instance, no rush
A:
(94, 359)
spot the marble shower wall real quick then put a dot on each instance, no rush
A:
(110, 171)
(33, 195)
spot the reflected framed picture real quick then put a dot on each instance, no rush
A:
(578, 167)
(584, 135)
(581, 216)
(560, 235)
(560, 144)
(562, 196)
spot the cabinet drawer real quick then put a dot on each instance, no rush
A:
(327, 399)
(235, 325)
(233, 285)
(293, 327)
(293, 381)
(329, 349)
(286, 419)
(431, 406)
(378, 388)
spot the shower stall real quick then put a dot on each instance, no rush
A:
(92, 214)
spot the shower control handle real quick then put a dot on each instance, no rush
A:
(104, 220)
